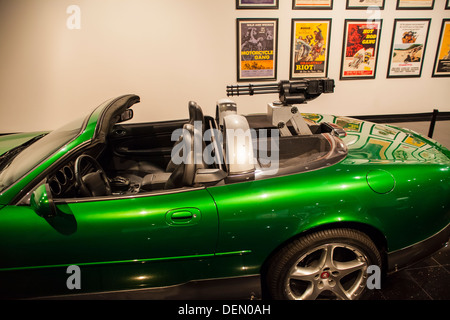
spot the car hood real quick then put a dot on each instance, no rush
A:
(369, 142)
(10, 141)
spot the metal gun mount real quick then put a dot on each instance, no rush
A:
(282, 112)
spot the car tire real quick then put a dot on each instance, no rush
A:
(329, 264)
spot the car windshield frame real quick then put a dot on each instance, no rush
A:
(94, 127)
(38, 152)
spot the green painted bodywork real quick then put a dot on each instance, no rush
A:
(393, 182)
(40, 203)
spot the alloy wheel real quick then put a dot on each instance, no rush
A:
(330, 271)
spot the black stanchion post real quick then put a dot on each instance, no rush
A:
(433, 123)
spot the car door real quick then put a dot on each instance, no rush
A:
(118, 243)
(142, 143)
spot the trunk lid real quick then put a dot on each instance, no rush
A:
(370, 142)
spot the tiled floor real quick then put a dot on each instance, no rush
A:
(426, 280)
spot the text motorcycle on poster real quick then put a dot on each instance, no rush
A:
(408, 47)
(360, 49)
(257, 49)
(442, 63)
(310, 42)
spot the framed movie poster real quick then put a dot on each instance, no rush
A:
(310, 43)
(360, 49)
(257, 43)
(415, 4)
(442, 62)
(312, 4)
(365, 4)
(257, 4)
(408, 47)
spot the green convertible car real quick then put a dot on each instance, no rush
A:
(279, 205)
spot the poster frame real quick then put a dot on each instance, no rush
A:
(389, 76)
(312, 7)
(344, 49)
(438, 50)
(399, 7)
(349, 7)
(239, 49)
(292, 48)
(274, 6)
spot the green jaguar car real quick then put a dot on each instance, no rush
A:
(244, 206)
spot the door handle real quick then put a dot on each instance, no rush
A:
(184, 216)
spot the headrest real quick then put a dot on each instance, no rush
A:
(238, 144)
(195, 112)
(224, 107)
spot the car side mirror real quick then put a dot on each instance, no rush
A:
(41, 201)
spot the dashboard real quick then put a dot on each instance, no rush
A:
(62, 183)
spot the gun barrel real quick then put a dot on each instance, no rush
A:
(252, 89)
(290, 92)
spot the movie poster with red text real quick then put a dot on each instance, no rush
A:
(360, 49)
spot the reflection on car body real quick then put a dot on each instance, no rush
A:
(106, 196)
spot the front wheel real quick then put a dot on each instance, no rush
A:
(330, 264)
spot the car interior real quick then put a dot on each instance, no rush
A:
(137, 157)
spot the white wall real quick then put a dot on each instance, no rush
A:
(170, 52)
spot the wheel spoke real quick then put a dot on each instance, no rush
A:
(340, 292)
(311, 293)
(326, 258)
(304, 274)
(346, 268)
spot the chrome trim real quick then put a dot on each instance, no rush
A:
(127, 196)
(246, 287)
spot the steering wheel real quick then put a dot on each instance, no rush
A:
(90, 177)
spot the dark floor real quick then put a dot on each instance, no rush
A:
(426, 280)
